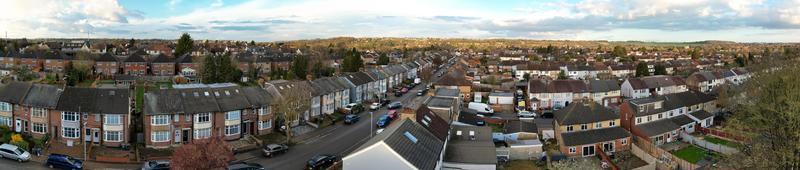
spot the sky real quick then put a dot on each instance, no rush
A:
(279, 20)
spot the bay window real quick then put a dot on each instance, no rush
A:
(159, 136)
(202, 133)
(112, 136)
(203, 118)
(233, 115)
(68, 132)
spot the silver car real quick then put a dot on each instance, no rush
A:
(13, 152)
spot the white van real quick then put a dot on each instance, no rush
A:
(482, 108)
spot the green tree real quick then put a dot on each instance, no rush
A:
(660, 70)
(740, 61)
(383, 59)
(483, 60)
(768, 117)
(300, 66)
(219, 69)
(320, 70)
(185, 45)
(252, 43)
(619, 51)
(695, 54)
(352, 61)
(562, 75)
(641, 70)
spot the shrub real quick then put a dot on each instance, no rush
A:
(16, 139)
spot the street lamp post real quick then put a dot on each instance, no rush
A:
(370, 124)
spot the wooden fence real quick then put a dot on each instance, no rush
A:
(719, 133)
(665, 160)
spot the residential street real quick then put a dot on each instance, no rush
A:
(339, 139)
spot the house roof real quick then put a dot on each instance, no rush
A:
(163, 102)
(594, 136)
(137, 57)
(106, 57)
(701, 114)
(582, 112)
(423, 154)
(669, 102)
(186, 58)
(657, 127)
(230, 98)
(161, 58)
(681, 120)
(440, 102)
(464, 148)
(596, 86)
(496, 94)
(656, 81)
(14, 92)
(515, 126)
(435, 124)
(94, 100)
(469, 116)
(41, 95)
(567, 86)
(205, 99)
(198, 100)
(705, 76)
(444, 92)
(113, 101)
(257, 96)
(357, 78)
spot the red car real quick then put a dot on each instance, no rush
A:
(392, 114)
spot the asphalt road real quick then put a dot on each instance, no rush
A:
(339, 139)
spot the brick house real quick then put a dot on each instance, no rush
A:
(186, 66)
(56, 61)
(99, 116)
(652, 85)
(135, 64)
(107, 65)
(177, 116)
(32, 59)
(584, 128)
(163, 65)
(660, 119)
(35, 110)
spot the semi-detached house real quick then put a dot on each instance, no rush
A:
(585, 128)
(99, 116)
(661, 119)
(642, 87)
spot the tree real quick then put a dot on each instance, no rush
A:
(383, 59)
(483, 60)
(768, 118)
(740, 61)
(352, 61)
(320, 70)
(24, 73)
(209, 154)
(660, 70)
(426, 74)
(562, 75)
(300, 66)
(619, 51)
(695, 54)
(294, 101)
(641, 70)
(132, 42)
(252, 43)
(185, 45)
(527, 76)
(219, 69)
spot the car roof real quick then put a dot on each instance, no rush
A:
(8, 146)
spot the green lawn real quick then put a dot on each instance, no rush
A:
(690, 153)
(721, 141)
(496, 127)
(139, 97)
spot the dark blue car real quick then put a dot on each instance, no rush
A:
(63, 162)
(351, 118)
(383, 121)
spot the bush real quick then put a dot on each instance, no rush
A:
(16, 139)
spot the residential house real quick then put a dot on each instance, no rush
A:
(402, 145)
(135, 64)
(585, 128)
(705, 81)
(623, 70)
(163, 65)
(34, 113)
(544, 94)
(107, 65)
(470, 147)
(660, 119)
(98, 116)
(652, 85)
(186, 66)
(605, 92)
(56, 61)
(11, 95)
(360, 81)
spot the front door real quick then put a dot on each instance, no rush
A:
(18, 127)
(185, 137)
(88, 135)
(246, 128)
(96, 135)
(588, 150)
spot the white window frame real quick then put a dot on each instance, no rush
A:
(233, 130)
(107, 134)
(624, 141)
(108, 117)
(198, 118)
(38, 112)
(264, 124)
(160, 120)
(612, 124)
(233, 115)
(598, 125)
(202, 133)
(160, 136)
(584, 126)
(40, 129)
(570, 128)
(74, 115)
(263, 111)
(5, 107)
(76, 132)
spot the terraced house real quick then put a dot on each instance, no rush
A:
(99, 116)
(643, 87)
(33, 105)
(661, 119)
(178, 116)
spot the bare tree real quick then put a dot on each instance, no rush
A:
(294, 101)
(210, 154)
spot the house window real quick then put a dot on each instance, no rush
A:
(160, 136)
(5, 121)
(38, 112)
(113, 120)
(263, 111)
(598, 125)
(233, 115)
(176, 117)
(70, 116)
(68, 132)
(5, 107)
(112, 136)
(202, 133)
(584, 127)
(649, 118)
(612, 123)
(671, 113)
(624, 141)
(232, 130)
(659, 116)
(638, 120)
(203, 118)
(39, 128)
(264, 124)
(188, 117)
(641, 108)
(569, 129)
(572, 149)
(160, 120)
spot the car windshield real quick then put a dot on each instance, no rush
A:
(20, 151)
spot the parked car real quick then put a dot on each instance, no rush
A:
(351, 118)
(398, 93)
(353, 108)
(392, 114)
(13, 152)
(404, 90)
(482, 108)
(67, 162)
(245, 166)
(274, 149)
(395, 105)
(375, 106)
(321, 162)
(383, 121)
(421, 92)
(526, 114)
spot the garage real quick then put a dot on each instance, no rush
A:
(501, 98)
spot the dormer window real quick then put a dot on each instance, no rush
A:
(657, 105)
(569, 129)
(584, 126)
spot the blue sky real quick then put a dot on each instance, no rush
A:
(275, 20)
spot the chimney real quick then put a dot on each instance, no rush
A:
(458, 134)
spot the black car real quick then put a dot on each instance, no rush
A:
(321, 162)
(351, 118)
(63, 162)
(245, 166)
(395, 105)
(274, 149)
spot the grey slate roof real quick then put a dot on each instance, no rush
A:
(463, 150)
(257, 96)
(440, 102)
(423, 155)
(113, 101)
(657, 127)
(42, 96)
(195, 100)
(444, 92)
(107, 57)
(230, 98)
(656, 81)
(514, 126)
(198, 100)
(701, 114)
(163, 102)
(584, 112)
(596, 86)
(14, 92)
(681, 120)
(594, 136)
(93, 100)
(670, 102)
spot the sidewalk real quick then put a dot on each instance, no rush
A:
(299, 139)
